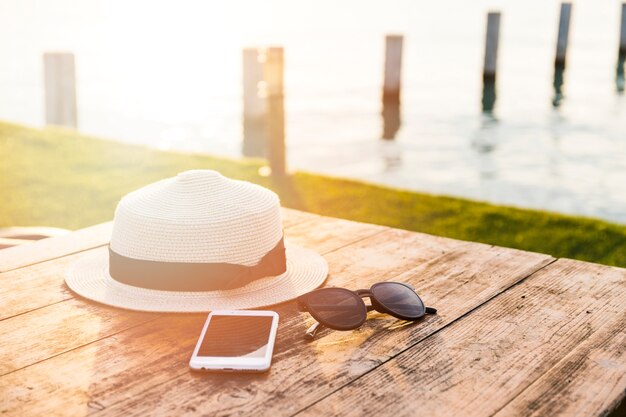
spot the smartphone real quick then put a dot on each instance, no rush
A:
(234, 340)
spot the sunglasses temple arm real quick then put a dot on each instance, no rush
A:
(310, 333)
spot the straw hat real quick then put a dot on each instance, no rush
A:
(194, 243)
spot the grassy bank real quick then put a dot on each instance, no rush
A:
(59, 178)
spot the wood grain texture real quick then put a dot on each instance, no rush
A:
(55, 247)
(293, 217)
(26, 289)
(476, 366)
(303, 372)
(35, 300)
(330, 234)
(589, 381)
(75, 322)
(75, 382)
(131, 369)
(57, 328)
(42, 283)
(507, 339)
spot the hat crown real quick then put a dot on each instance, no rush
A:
(198, 216)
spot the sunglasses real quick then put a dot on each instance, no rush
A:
(342, 309)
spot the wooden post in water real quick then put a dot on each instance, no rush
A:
(392, 86)
(391, 119)
(491, 61)
(491, 46)
(561, 41)
(621, 57)
(254, 135)
(275, 123)
(561, 52)
(393, 68)
(60, 89)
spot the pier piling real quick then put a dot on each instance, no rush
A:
(254, 106)
(60, 89)
(273, 71)
(491, 60)
(393, 68)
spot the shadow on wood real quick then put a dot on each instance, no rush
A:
(14, 236)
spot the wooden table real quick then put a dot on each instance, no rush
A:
(517, 333)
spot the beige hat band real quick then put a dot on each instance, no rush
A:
(193, 276)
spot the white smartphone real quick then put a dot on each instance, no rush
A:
(233, 340)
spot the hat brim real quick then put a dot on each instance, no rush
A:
(89, 277)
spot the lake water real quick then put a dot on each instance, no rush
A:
(168, 75)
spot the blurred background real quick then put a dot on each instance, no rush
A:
(169, 75)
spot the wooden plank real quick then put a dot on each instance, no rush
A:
(6, 242)
(594, 374)
(337, 357)
(292, 217)
(131, 365)
(32, 232)
(55, 247)
(46, 332)
(476, 366)
(74, 383)
(26, 289)
(324, 236)
(43, 283)
(457, 275)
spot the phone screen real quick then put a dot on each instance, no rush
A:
(237, 336)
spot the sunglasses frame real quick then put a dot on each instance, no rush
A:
(303, 304)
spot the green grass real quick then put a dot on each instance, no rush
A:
(56, 177)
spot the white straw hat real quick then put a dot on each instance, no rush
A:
(194, 243)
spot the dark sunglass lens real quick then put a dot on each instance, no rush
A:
(336, 307)
(399, 299)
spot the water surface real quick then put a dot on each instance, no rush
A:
(168, 75)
